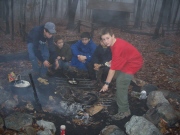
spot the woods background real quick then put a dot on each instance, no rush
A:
(157, 13)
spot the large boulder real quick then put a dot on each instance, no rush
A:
(138, 125)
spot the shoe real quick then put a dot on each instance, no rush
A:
(121, 115)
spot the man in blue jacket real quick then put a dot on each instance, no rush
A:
(40, 47)
(82, 51)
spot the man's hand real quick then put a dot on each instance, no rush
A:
(97, 66)
(104, 88)
(82, 58)
(46, 64)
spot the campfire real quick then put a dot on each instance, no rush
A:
(78, 105)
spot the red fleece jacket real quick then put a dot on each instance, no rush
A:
(125, 57)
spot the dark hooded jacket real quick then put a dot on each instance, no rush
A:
(101, 55)
(36, 36)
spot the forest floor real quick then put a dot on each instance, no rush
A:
(161, 56)
(161, 60)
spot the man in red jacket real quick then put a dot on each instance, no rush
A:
(126, 61)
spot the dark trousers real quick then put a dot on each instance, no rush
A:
(100, 75)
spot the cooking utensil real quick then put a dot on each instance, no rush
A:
(21, 83)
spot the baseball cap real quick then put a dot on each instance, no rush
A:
(50, 27)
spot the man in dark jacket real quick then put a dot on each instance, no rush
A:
(40, 47)
(98, 67)
(82, 51)
(64, 53)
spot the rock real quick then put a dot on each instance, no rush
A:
(153, 116)
(45, 132)
(10, 104)
(164, 111)
(149, 88)
(17, 121)
(30, 130)
(155, 98)
(4, 96)
(167, 113)
(165, 93)
(138, 125)
(112, 130)
(47, 126)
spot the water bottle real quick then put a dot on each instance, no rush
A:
(63, 128)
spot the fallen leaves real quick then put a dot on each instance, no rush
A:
(158, 69)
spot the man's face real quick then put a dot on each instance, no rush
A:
(60, 43)
(108, 40)
(85, 40)
(102, 44)
(47, 34)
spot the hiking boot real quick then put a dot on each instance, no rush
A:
(121, 115)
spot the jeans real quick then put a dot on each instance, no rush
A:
(122, 84)
(64, 65)
(34, 56)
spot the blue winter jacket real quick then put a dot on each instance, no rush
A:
(80, 49)
(45, 45)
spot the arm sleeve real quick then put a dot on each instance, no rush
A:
(95, 56)
(33, 37)
(44, 51)
(75, 48)
(92, 48)
(52, 49)
(68, 55)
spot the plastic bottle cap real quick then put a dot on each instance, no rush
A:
(63, 127)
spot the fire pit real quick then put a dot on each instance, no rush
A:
(80, 107)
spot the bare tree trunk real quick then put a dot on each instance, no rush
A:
(56, 7)
(72, 6)
(158, 25)
(152, 17)
(12, 19)
(24, 29)
(174, 20)
(138, 13)
(7, 16)
(143, 7)
(2, 12)
(33, 10)
(1, 9)
(44, 9)
(169, 15)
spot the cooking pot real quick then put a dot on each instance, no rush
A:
(20, 86)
